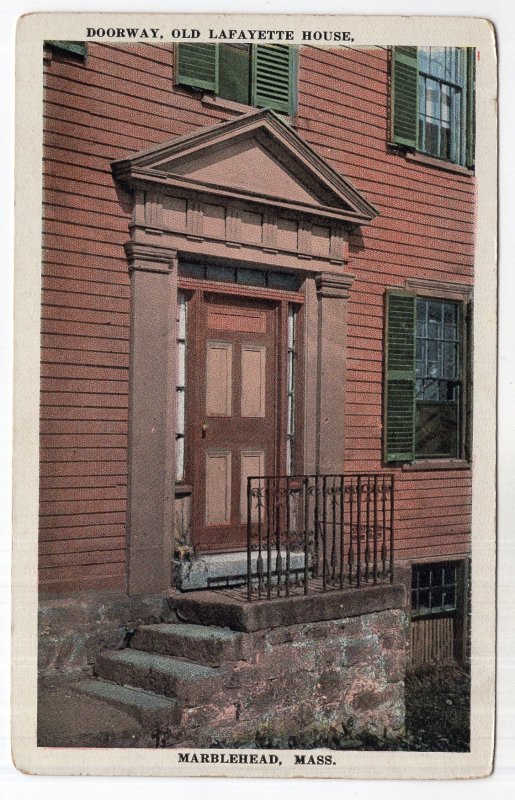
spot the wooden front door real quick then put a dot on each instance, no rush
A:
(234, 413)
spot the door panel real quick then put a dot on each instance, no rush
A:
(253, 380)
(233, 410)
(219, 379)
(231, 318)
(218, 487)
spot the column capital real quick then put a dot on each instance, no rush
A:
(330, 284)
(150, 257)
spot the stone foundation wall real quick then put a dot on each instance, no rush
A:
(276, 677)
(316, 676)
(72, 631)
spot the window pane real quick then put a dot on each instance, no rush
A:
(436, 433)
(437, 67)
(220, 274)
(283, 280)
(420, 359)
(450, 313)
(449, 360)
(192, 271)
(423, 59)
(423, 601)
(251, 277)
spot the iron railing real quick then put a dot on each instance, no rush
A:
(315, 533)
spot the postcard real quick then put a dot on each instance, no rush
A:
(255, 343)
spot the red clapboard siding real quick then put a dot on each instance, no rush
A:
(123, 99)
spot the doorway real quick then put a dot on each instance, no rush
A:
(234, 414)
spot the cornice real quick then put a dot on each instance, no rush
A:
(334, 285)
(150, 257)
(141, 178)
(435, 288)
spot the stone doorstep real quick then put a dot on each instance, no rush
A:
(213, 608)
(150, 710)
(159, 674)
(212, 646)
(223, 570)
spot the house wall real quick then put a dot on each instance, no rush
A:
(123, 99)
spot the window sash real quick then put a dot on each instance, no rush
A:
(438, 385)
(442, 104)
(434, 589)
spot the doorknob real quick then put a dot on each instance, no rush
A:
(204, 429)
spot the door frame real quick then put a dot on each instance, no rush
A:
(195, 290)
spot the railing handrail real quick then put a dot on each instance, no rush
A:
(327, 530)
(324, 475)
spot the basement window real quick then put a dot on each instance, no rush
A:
(434, 588)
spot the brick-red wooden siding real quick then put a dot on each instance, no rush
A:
(122, 100)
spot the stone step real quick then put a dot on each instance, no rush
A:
(149, 709)
(210, 645)
(161, 674)
(226, 611)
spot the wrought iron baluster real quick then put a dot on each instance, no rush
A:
(333, 546)
(375, 530)
(351, 530)
(391, 530)
(383, 544)
(342, 539)
(249, 540)
(358, 539)
(268, 542)
(306, 534)
(288, 538)
(324, 533)
(277, 526)
(316, 531)
(367, 532)
(260, 565)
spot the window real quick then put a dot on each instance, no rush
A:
(433, 101)
(434, 589)
(248, 277)
(258, 75)
(424, 378)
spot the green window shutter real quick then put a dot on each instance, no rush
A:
(471, 107)
(197, 66)
(77, 48)
(404, 97)
(399, 422)
(273, 77)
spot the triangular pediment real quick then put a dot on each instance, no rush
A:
(257, 155)
(248, 166)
